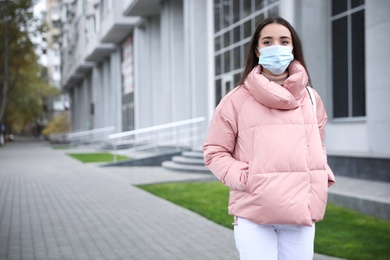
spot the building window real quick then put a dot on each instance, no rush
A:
(348, 64)
(105, 7)
(127, 62)
(56, 24)
(234, 23)
(55, 10)
(57, 52)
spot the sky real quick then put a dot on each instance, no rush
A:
(40, 6)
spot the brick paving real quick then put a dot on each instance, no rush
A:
(54, 207)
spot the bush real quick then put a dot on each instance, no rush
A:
(59, 124)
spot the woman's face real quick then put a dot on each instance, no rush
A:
(273, 34)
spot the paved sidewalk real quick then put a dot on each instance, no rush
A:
(54, 207)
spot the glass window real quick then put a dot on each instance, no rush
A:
(237, 58)
(356, 3)
(236, 11)
(237, 78)
(56, 24)
(358, 66)
(248, 29)
(246, 8)
(259, 19)
(244, 15)
(226, 39)
(348, 61)
(228, 86)
(259, 4)
(226, 62)
(127, 111)
(55, 10)
(217, 43)
(339, 6)
(218, 64)
(226, 13)
(273, 11)
(218, 93)
(217, 15)
(340, 68)
(236, 34)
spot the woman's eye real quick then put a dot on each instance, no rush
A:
(267, 43)
(285, 42)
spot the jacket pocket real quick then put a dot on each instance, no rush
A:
(281, 198)
(249, 180)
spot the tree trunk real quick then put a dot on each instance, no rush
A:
(6, 64)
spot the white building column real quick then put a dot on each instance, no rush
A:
(147, 69)
(199, 61)
(377, 83)
(98, 94)
(288, 11)
(115, 87)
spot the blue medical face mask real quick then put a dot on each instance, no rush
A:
(276, 58)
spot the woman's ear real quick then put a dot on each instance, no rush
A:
(257, 52)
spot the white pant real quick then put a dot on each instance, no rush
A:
(273, 242)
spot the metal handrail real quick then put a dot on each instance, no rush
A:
(97, 135)
(87, 136)
(178, 134)
(92, 131)
(156, 128)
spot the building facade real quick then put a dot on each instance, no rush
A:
(53, 63)
(139, 63)
(48, 51)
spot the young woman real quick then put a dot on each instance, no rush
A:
(266, 142)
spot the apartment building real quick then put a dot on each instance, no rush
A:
(53, 61)
(139, 63)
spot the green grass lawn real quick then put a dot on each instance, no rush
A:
(61, 147)
(97, 157)
(343, 233)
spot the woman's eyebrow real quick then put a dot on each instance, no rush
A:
(270, 37)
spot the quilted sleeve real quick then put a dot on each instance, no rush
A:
(218, 149)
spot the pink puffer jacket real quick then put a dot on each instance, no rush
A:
(266, 143)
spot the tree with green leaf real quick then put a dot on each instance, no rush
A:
(23, 88)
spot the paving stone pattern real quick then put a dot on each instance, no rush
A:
(54, 207)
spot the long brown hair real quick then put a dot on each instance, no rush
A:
(252, 60)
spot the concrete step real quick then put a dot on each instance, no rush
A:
(198, 149)
(171, 165)
(193, 154)
(365, 196)
(188, 160)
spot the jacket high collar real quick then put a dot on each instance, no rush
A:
(273, 95)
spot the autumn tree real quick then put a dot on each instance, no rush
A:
(23, 89)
